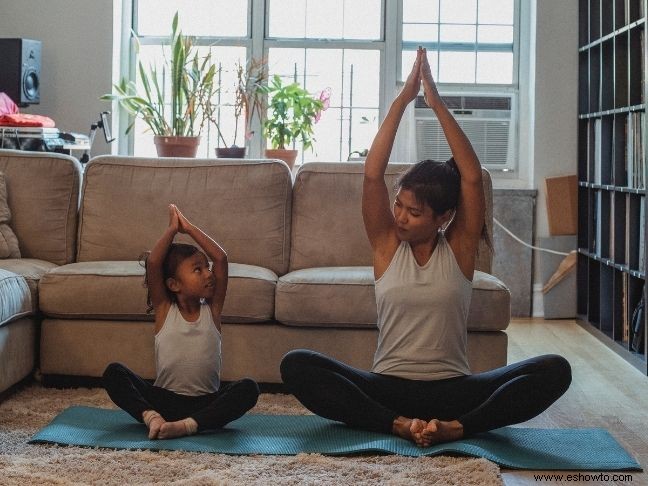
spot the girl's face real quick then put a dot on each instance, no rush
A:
(193, 278)
(415, 222)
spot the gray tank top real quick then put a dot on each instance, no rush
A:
(188, 354)
(422, 316)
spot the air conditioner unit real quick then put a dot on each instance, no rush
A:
(488, 120)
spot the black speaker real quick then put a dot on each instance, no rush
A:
(20, 66)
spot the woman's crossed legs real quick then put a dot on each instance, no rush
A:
(425, 411)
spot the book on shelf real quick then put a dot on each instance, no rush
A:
(640, 160)
(612, 225)
(629, 157)
(628, 225)
(642, 238)
(599, 226)
(641, 49)
(589, 147)
(625, 328)
(597, 150)
(638, 324)
(634, 157)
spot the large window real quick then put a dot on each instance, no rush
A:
(342, 45)
(332, 45)
(468, 41)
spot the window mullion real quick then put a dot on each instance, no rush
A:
(257, 50)
(390, 60)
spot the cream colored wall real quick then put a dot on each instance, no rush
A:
(555, 129)
(77, 64)
(556, 97)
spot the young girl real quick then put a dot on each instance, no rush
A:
(420, 386)
(187, 298)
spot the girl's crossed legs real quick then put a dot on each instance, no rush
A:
(135, 395)
(372, 401)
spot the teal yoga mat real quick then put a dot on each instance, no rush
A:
(517, 448)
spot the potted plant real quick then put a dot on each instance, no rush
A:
(291, 115)
(176, 117)
(248, 101)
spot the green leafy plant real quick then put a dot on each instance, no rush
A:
(184, 110)
(292, 113)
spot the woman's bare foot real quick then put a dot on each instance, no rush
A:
(154, 422)
(437, 431)
(179, 428)
(410, 429)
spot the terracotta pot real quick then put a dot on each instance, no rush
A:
(176, 146)
(288, 156)
(233, 152)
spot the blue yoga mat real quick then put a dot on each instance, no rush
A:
(512, 447)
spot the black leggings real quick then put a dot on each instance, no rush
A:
(212, 411)
(371, 401)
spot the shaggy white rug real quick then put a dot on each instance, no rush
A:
(23, 413)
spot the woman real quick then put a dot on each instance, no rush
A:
(420, 386)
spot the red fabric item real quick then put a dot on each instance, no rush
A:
(7, 106)
(25, 120)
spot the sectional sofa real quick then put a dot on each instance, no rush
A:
(300, 263)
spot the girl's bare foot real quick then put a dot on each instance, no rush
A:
(179, 428)
(410, 429)
(437, 431)
(154, 422)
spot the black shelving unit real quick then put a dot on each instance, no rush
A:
(612, 173)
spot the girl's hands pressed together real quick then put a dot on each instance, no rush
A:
(183, 223)
(174, 221)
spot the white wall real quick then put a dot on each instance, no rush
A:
(556, 94)
(77, 63)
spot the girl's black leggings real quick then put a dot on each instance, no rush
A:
(371, 401)
(212, 411)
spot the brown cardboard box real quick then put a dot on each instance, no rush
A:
(562, 205)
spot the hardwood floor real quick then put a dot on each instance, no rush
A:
(606, 392)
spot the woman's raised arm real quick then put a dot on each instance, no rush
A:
(466, 228)
(376, 211)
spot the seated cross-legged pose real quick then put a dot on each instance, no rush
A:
(187, 297)
(420, 386)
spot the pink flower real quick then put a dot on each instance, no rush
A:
(325, 98)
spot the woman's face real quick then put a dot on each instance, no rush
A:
(415, 221)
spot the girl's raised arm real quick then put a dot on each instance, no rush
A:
(216, 254)
(154, 273)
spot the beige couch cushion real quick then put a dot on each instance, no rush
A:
(43, 194)
(344, 297)
(243, 204)
(327, 226)
(327, 296)
(8, 241)
(115, 290)
(32, 270)
(490, 306)
(15, 298)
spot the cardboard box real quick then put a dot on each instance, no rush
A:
(562, 205)
(560, 301)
